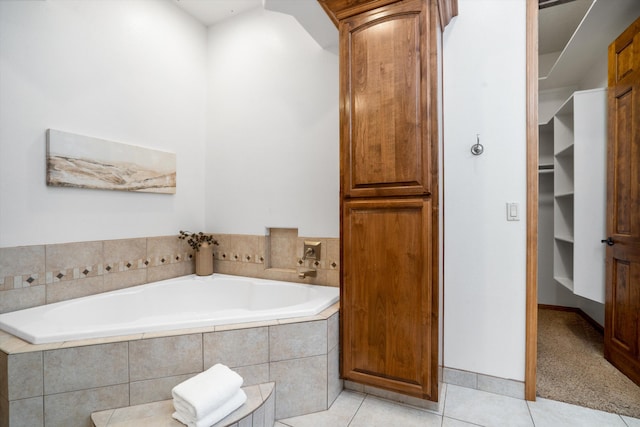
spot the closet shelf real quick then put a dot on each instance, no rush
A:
(545, 168)
(566, 151)
(566, 239)
(564, 281)
(565, 195)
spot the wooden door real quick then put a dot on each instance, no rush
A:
(389, 321)
(622, 306)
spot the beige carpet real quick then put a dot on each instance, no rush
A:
(572, 368)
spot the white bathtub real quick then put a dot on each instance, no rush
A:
(183, 302)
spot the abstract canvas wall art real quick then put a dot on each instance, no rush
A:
(85, 162)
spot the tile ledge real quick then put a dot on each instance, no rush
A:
(133, 416)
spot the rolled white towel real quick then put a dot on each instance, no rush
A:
(200, 395)
(236, 401)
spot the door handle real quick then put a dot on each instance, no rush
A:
(609, 241)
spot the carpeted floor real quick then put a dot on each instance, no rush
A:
(572, 368)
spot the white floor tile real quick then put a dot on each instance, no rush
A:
(450, 422)
(631, 422)
(376, 412)
(481, 407)
(463, 407)
(338, 415)
(550, 413)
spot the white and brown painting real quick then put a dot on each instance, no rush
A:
(86, 162)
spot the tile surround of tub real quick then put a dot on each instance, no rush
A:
(136, 370)
(281, 247)
(248, 255)
(41, 274)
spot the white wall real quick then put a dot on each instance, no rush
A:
(485, 256)
(132, 72)
(273, 144)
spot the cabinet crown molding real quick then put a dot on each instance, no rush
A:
(342, 9)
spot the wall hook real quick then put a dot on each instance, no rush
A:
(477, 148)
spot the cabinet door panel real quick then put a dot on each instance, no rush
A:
(385, 88)
(389, 329)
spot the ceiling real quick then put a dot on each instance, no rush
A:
(308, 13)
(210, 12)
(556, 24)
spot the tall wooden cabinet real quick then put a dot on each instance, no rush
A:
(389, 186)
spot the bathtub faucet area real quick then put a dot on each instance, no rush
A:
(306, 272)
(310, 251)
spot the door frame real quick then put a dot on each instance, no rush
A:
(531, 334)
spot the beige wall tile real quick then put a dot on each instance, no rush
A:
(24, 375)
(125, 250)
(166, 245)
(18, 299)
(154, 390)
(297, 340)
(169, 271)
(333, 278)
(301, 385)
(239, 268)
(69, 289)
(68, 255)
(74, 409)
(22, 260)
(27, 412)
(76, 368)
(125, 279)
(333, 251)
(236, 348)
(164, 357)
(282, 247)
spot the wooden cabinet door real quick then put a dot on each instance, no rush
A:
(388, 86)
(622, 305)
(389, 304)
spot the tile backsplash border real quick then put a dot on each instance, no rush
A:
(42, 274)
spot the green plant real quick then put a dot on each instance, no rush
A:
(195, 240)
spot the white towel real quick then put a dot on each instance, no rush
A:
(216, 415)
(200, 395)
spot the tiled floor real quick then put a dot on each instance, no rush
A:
(460, 407)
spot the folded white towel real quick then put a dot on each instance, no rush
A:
(200, 395)
(216, 415)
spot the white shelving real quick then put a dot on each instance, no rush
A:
(579, 154)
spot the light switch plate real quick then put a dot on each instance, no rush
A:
(513, 211)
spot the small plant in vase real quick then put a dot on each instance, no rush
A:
(203, 245)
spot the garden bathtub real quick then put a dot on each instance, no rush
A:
(180, 303)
